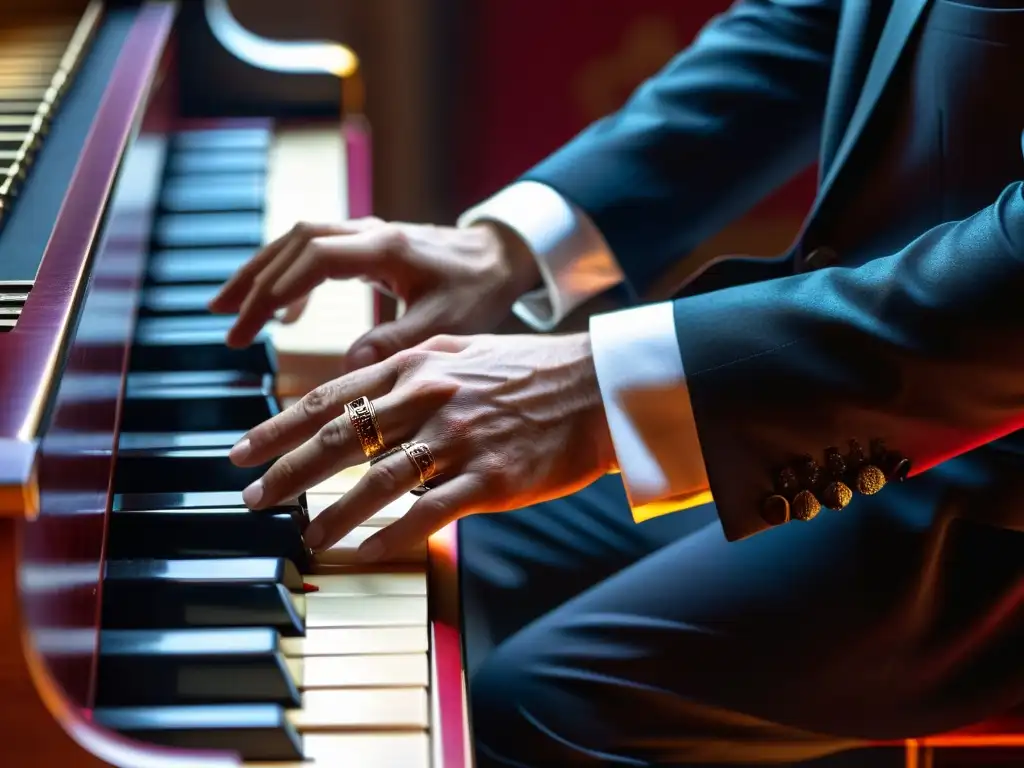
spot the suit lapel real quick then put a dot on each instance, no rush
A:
(850, 52)
(901, 22)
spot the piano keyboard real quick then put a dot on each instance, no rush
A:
(218, 630)
(38, 60)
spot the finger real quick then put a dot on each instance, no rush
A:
(253, 315)
(234, 291)
(419, 323)
(299, 422)
(295, 310)
(334, 448)
(230, 297)
(439, 506)
(360, 255)
(385, 482)
(302, 265)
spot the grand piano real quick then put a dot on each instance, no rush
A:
(148, 617)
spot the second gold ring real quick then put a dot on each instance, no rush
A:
(422, 459)
(364, 423)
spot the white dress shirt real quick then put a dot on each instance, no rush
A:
(636, 353)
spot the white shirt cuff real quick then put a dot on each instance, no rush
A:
(650, 417)
(572, 256)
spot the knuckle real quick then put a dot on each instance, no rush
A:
(459, 425)
(317, 401)
(496, 475)
(438, 343)
(281, 474)
(268, 433)
(383, 477)
(333, 434)
(407, 361)
(396, 240)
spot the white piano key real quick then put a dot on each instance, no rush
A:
(365, 750)
(305, 182)
(362, 709)
(324, 611)
(398, 584)
(400, 670)
(348, 641)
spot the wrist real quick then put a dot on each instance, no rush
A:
(596, 419)
(516, 260)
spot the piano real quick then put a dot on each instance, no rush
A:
(147, 618)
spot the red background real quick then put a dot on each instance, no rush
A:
(543, 69)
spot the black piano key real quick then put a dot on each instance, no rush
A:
(193, 533)
(204, 500)
(197, 409)
(148, 441)
(182, 469)
(140, 381)
(231, 192)
(192, 323)
(209, 230)
(184, 594)
(160, 300)
(195, 266)
(154, 667)
(295, 508)
(174, 349)
(194, 162)
(222, 138)
(255, 731)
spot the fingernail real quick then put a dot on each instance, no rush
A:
(252, 495)
(241, 451)
(314, 535)
(361, 357)
(370, 550)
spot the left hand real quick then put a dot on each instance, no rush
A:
(510, 421)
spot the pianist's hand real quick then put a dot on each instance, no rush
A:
(451, 280)
(510, 421)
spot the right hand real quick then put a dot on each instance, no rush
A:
(452, 280)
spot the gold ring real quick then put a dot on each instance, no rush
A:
(364, 421)
(421, 457)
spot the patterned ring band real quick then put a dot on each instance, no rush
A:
(419, 454)
(364, 422)
(421, 457)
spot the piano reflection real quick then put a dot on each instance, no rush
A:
(148, 617)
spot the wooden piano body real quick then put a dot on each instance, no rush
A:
(87, 209)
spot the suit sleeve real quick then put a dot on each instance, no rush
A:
(727, 121)
(921, 349)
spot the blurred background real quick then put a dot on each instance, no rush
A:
(464, 95)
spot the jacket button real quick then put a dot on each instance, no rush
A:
(775, 510)
(820, 258)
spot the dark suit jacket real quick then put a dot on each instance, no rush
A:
(921, 345)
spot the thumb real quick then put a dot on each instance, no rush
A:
(414, 327)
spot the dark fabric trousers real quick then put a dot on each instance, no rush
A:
(596, 641)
